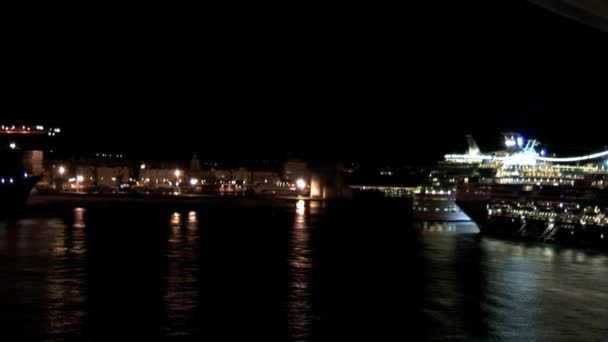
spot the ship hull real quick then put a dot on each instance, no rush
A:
(437, 207)
(458, 216)
(476, 210)
(587, 235)
(541, 230)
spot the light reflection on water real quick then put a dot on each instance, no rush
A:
(58, 274)
(66, 279)
(300, 272)
(300, 265)
(181, 296)
(517, 290)
(79, 218)
(43, 267)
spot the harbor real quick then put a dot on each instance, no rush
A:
(307, 172)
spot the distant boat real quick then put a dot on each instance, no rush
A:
(14, 192)
(21, 164)
(15, 183)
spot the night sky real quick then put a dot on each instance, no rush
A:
(337, 82)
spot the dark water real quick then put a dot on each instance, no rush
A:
(287, 272)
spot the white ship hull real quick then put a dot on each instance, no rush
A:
(441, 216)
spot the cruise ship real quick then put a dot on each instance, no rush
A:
(521, 193)
(435, 198)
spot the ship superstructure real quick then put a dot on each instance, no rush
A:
(523, 193)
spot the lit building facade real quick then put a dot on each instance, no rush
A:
(295, 169)
(160, 177)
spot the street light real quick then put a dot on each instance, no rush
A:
(301, 184)
(177, 174)
(143, 166)
(79, 180)
(60, 179)
(12, 145)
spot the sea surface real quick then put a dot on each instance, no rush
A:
(286, 271)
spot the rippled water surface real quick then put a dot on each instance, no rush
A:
(287, 271)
